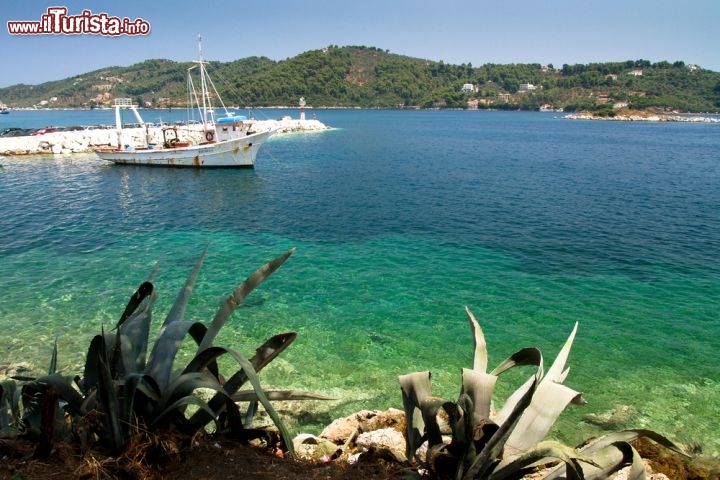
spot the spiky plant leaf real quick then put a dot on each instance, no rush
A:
(480, 355)
(629, 436)
(263, 356)
(542, 453)
(548, 403)
(606, 461)
(183, 385)
(555, 374)
(171, 411)
(133, 335)
(53, 359)
(237, 297)
(479, 386)
(110, 405)
(430, 406)
(490, 455)
(278, 395)
(250, 373)
(177, 312)
(168, 343)
(526, 356)
(255, 382)
(415, 388)
(9, 404)
(145, 289)
(62, 388)
(141, 394)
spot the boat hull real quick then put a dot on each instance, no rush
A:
(235, 153)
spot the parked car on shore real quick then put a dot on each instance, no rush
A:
(43, 131)
(15, 132)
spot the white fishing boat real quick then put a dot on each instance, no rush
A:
(4, 108)
(229, 141)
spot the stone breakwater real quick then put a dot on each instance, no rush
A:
(644, 118)
(82, 141)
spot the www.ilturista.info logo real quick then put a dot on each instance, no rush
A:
(57, 22)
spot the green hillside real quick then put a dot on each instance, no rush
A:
(370, 77)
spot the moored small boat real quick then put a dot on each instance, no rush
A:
(229, 141)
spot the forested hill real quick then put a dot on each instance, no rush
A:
(370, 77)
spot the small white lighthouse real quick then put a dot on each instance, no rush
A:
(302, 108)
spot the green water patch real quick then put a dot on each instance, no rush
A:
(368, 311)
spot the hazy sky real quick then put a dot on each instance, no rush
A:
(455, 31)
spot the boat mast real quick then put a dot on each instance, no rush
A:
(206, 104)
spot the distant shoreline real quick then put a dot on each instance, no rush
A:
(640, 117)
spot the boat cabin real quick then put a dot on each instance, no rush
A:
(231, 127)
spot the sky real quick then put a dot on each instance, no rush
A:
(553, 32)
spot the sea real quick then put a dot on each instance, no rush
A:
(400, 220)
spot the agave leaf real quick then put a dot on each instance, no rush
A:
(540, 454)
(606, 462)
(278, 395)
(415, 388)
(555, 374)
(464, 428)
(547, 404)
(153, 272)
(63, 389)
(177, 312)
(479, 386)
(134, 405)
(96, 349)
(145, 289)
(430, 406)
(525, 356)
(53, 359)
(252, 376)
(134, 335)
(263, 356)
(491, 453)
(480, 355)
(236, 298)
(168, 343)
(181, 404)
(255, 382)
(111, 405)
(602, 462)
(628, 436)
(185, 384)
(9, 407)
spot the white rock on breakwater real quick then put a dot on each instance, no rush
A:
(82, 141)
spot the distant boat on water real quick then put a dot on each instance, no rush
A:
(4, 109)
(231, 141)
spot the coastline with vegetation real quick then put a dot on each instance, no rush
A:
(369, 77)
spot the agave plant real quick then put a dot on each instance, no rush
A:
(510, 443)
(133, 390)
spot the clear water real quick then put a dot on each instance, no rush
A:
(400, 219)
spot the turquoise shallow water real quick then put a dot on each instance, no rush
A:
(400, 219)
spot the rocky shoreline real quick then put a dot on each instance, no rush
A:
(637, 117)
(84, 141)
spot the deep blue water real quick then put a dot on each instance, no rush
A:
(400, 219)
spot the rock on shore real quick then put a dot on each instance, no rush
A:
(82, 141)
